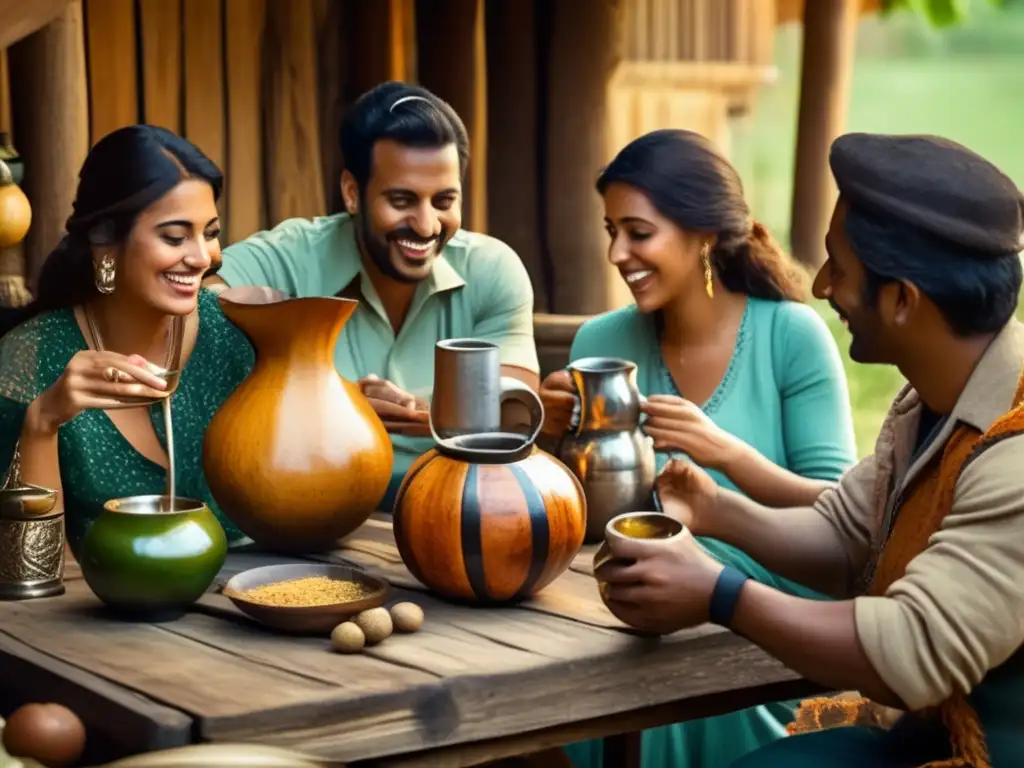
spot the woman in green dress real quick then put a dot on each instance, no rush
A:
(740, 375)
(142, 235)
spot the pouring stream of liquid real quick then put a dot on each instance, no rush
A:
(169, 429)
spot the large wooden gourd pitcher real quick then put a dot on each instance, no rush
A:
(296, 456)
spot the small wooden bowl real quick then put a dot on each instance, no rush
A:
(310, 618)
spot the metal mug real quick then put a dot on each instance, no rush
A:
(469, 391)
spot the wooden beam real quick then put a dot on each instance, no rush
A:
(204, 73)
(451, 62)
(113, 83)
(369, 46)
(51, 121)
(830, 34)
(243, 34)
(513, 132)
(159, 20)
(116, 720)
(21, 18)
(583, 52)
(331, 20)
(291, 125)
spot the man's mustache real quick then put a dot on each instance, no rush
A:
(407, 234)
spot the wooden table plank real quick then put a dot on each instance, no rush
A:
(472, 679)
(470, 708)
(116, 719)
(475, 753)
(149, 659)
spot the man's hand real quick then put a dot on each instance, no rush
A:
(687, 493)
(659, 587)
(402, 413)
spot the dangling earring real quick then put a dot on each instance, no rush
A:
(705, 257)
(105, 274)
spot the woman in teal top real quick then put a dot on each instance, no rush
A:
(143, 233)
(740, 376)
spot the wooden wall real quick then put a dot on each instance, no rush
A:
(547, 94)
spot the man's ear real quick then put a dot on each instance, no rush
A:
(350, 192)
(900, 302)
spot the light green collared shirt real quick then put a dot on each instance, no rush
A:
(478, 288)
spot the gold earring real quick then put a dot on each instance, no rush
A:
(705, 257)
(105, 274)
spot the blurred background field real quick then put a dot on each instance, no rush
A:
(966, 83)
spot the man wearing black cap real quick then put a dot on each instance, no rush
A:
(922, 543)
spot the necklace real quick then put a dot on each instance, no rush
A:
(169, 373)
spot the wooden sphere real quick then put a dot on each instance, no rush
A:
(489, 532)
(347, 638)
(50, 734)
(15, 211)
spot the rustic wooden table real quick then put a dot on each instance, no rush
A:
(474, 684)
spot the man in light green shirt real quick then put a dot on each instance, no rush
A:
(418, 276)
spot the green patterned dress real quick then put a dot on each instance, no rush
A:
(97, 463)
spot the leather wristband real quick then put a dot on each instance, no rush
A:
(725, 596)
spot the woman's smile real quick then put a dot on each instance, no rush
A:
(639, 280)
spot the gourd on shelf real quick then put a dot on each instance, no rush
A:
(15, 210)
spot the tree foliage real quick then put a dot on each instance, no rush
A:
(940, 13)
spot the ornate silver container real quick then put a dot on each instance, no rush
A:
(31, 539)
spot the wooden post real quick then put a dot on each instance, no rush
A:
(291, 125)
(243, 44)
(513, 129)
(451, 62)
(51, 120)
(112, 72)
(830, 33)
(583, 51)
(161, 63)
(331, 20)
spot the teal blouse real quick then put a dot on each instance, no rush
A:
(785, 394)
(97, 463)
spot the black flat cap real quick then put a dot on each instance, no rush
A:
(933, 183)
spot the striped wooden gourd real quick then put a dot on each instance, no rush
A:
(489, 531)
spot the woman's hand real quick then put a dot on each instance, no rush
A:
(558, 394)
(95, 380)
(676, 424)
(687, 493)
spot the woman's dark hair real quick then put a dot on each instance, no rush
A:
(691, 183)
(976, 293)
(126, 172)
(408, 114)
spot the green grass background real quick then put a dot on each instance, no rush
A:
(966, 84)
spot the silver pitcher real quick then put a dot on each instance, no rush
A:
(605, 448)
(469, 391)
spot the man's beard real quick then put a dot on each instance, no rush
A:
(379, 248)
(861, 350)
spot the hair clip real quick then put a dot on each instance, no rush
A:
(408, 98)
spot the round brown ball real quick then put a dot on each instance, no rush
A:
(347, 638)
(376, 624)
(407, 617)
(50, 734)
